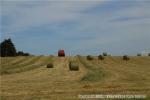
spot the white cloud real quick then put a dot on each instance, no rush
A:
(26, 15)
(50, 12)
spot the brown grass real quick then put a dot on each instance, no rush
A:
(59, 83)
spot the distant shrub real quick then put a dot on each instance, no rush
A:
(100, 57)
(105, 54)
(139, 54)
(89, 57)
(149, 54)
(125, 57)
(21, 53)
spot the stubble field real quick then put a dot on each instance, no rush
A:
(27, 78)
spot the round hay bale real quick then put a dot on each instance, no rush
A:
(139, 54)
(89, 57)
(50, 65)
(125, 57)
(100, 57)
(73, 66)
(105, 54)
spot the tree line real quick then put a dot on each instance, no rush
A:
(7, 49)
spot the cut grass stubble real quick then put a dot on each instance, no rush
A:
(94, 72)
(17, 68)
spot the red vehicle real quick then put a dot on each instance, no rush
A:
(61, 53)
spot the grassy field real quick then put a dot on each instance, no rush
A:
(27, 78)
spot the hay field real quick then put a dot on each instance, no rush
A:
(27, 78)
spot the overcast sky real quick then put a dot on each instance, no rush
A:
(78, 26)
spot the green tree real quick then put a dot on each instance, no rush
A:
(7, 48)
(21, 53)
